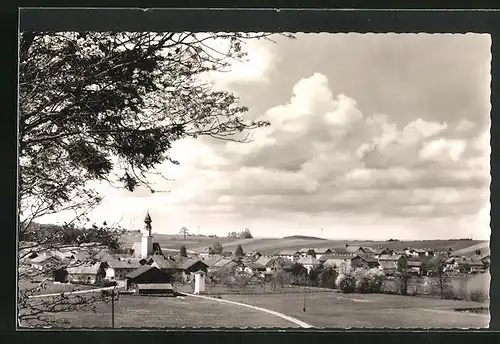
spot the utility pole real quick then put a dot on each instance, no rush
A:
(304, 309)
(113, 307)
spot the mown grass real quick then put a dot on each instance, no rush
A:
(335, 310)
(168, 312)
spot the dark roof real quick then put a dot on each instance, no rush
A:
(368, 249)
(140, 271)
(185, 263)
(414, 263)
(368, 259)
(255, 266)
(154, 286)
(266, 261)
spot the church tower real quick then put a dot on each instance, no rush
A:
(147, 238)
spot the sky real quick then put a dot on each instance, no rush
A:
(372, 136)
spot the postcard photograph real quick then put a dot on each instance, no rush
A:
(253, 180)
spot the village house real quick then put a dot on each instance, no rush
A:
(414, 267)
(253, 255)
(251, 268)
(118, 269)
(451, 264)
(364, 261)
(224, 263)
(320, 251)
(188, 266)
(486, 260)
(162, 263)
(338, 261)
(309, 263)
(390, 263)
(45, 262)
(149, 280)
(270, 263)
(86, 274)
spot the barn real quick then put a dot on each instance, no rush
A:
(149, 280)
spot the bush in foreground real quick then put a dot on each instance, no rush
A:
(346, 282)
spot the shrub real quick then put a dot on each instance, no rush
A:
(478, 295)
(369, 281)
(390, 286)
(346, 282)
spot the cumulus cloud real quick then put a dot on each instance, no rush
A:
(323, 154)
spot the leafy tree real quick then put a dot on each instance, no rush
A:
(298, 271)
(437, 268)
(183, 251)
(217, 248)
(327, 277)
(184, 232)
(311, 253)
(346, 282)
(59, 241)
(239, 251)
(106, 107)
(314, 275)
(404, 275)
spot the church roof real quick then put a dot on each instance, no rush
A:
(147, 219)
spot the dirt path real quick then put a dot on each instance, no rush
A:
(281, 315)
(72, 292)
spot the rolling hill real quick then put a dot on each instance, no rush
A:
(270, 245)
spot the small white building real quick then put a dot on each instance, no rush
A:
(199, 282)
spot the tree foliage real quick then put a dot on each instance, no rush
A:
(217, 248)
(183, 251)
(100, 107)
(107, 106)
(239, 251)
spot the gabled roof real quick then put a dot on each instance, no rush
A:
(255, 266)
(132, 263)
(389, 257)
(367, 249)
(332, 256)
(322, 250)
(222, 262)
(266, 261)
(288, 253)
(139, 271)
(161, 262)
(42, 258)
(85, 269)
(186, 263)
(366, 258)
(334, 262)
(414, 263)
(352, 249)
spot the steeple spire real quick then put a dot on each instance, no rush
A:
(147, 223)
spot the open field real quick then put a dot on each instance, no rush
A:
(270, 245)
(370, 310)
(143, 311)
(52, 287)
(323, 309)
